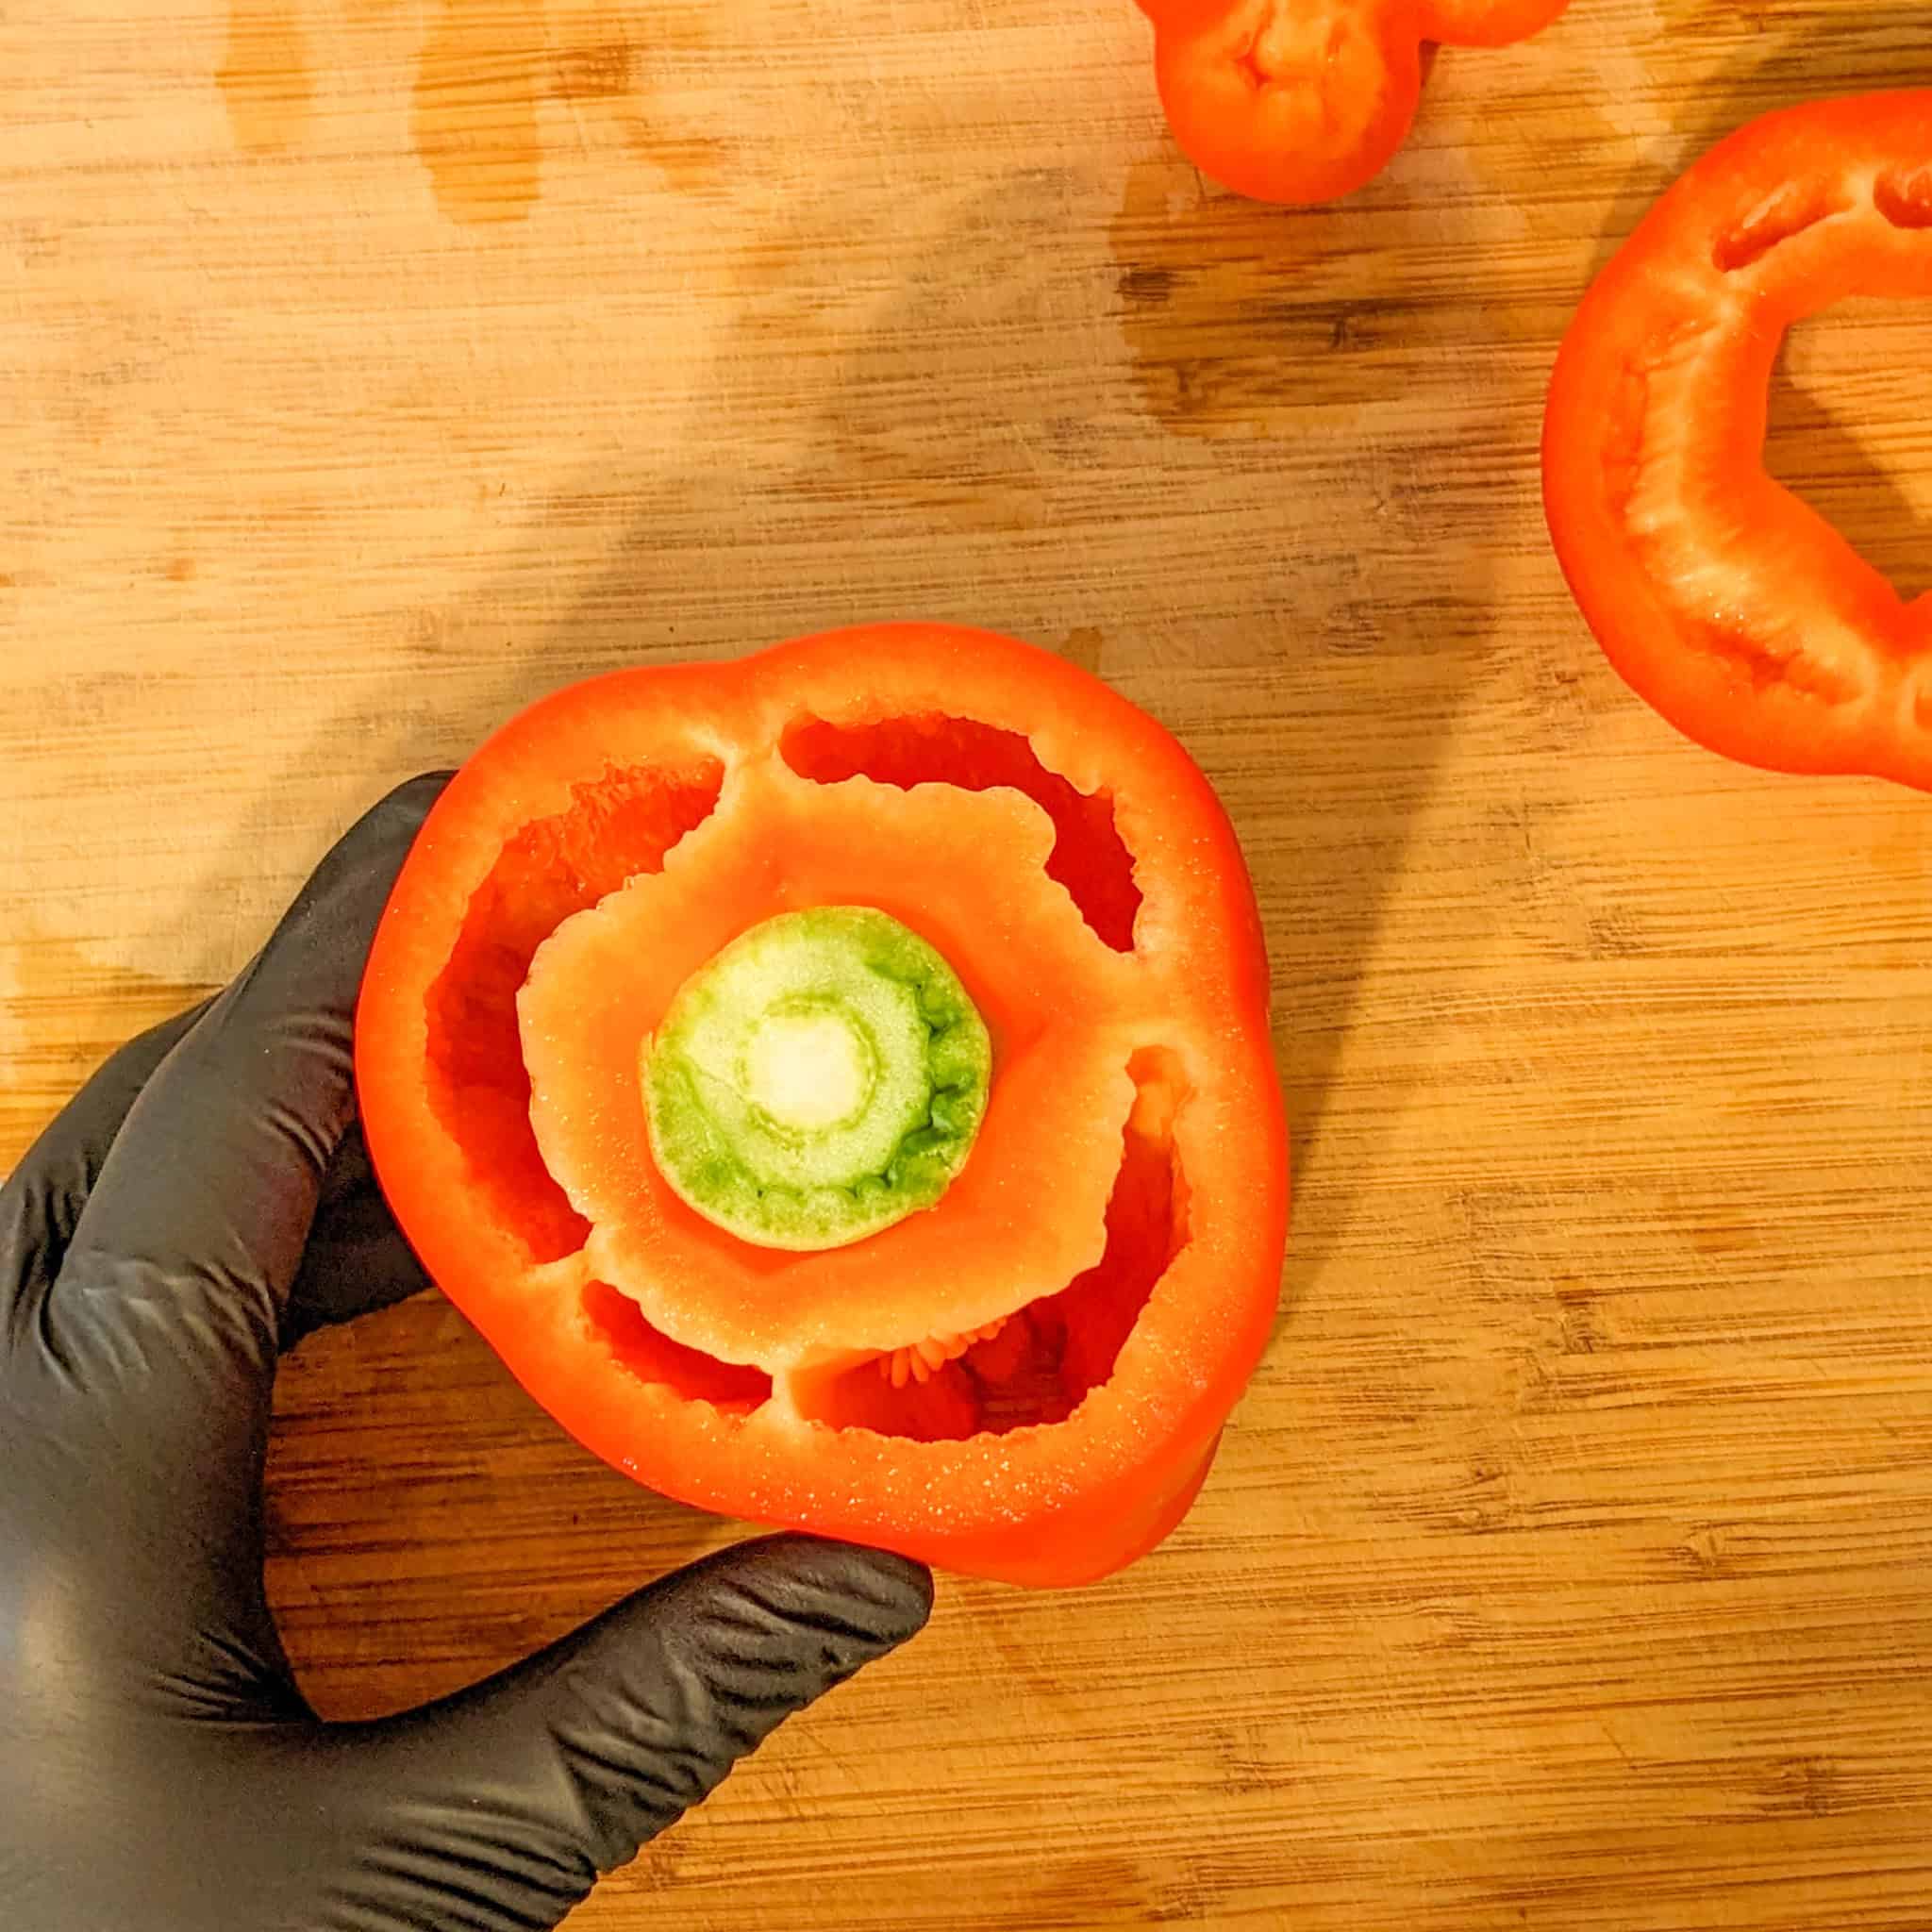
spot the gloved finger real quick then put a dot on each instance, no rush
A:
(526, 1788)
(212, 1185)
(41, 1199)
(357, 1259)
(155, 1346)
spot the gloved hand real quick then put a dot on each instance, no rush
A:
(203, 1203)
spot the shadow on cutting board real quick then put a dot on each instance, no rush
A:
(1378, 414)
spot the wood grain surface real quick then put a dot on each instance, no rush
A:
(368, 367)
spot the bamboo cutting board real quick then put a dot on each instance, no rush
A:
(368, 367)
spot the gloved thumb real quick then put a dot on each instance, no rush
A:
(520, 1791)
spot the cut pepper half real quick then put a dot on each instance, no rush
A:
(1290, 101)
(1023, 1371)
(1723, 599)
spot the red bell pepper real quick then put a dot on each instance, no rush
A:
(1294, 102)
(1724, 600)
(1027, 1377)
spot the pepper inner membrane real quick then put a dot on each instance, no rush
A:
(1090, 859)
(1033, 1366)
(1654, 452)
(1043, 1361)
(615, 826)
(649, 1353)
(1037, 1365)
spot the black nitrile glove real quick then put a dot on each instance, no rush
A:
(201, 1204)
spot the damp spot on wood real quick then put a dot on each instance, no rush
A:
(1082, 646)
(265, 76)
(474, 113)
